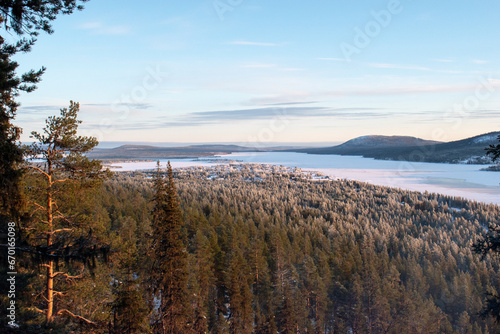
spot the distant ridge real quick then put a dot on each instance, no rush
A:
(469, 150)
(365, 144)
(404, 148)
(155, 152)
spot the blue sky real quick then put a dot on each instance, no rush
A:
(254, 71)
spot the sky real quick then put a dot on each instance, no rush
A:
(255, 72)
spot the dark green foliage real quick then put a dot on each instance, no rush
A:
(168, 251)
(128, 309)
(10, 152)
(288, 255)
(468, 150)
(57, 226)
(490, 244)
(494, 151)
(63, 177)
(20, 17)
(31, 16)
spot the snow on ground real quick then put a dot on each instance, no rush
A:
(149, 165)
(466, 181)
(422, 183)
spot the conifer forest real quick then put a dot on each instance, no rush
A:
(226, 251)
(226, 247)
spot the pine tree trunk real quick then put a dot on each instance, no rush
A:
(50, 267)
(50, 291)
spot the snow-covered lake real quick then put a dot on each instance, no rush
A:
(466, 181)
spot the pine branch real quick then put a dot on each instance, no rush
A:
(63, 180)
(60, 312)
(36, 309)
(58, 293)
(65, 275)
(39, 207)
(38, 170)
(61, 230)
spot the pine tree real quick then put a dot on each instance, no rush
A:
(169, 271)
(11, 154)
(57, 230)
(19, 18)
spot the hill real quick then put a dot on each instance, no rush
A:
(154, 152)
(284, 254)
(365, 144)
(470, 150)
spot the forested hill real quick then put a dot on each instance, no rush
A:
(154, 152)
(276, 250)
(470, 150)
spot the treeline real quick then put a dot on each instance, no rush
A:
(283, 255)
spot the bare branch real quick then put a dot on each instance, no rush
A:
(59, 215)
(38, 170)
(63, 180)
(60, 312)
(65, 275)
(40, 207)
(61, 230)
(36, 309)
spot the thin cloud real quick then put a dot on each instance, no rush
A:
(238, 115)
(264, 65)
(403, 90)
(114, 30)
(334, 59)
(258, 65)
(401, 67)
(139, 106)
(90, 25)
(480, 61)
(444, 60)
(98, 28)
(292, 69)
(495, 82)
(292, 103)
(40, 108)
(252, 43)
(411, 68)
(440, 115)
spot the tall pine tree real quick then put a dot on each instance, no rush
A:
(169, 272)
(55, 190)
(19, 18)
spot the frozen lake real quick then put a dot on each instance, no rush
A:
(466, 181)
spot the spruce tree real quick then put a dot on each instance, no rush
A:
(129, 309)
(169, 271)
(494, 151)
(489, 243)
